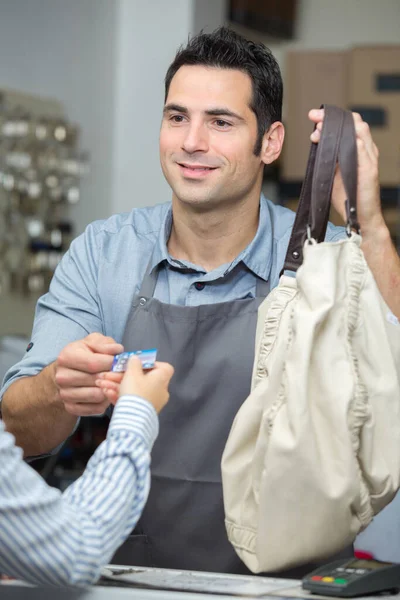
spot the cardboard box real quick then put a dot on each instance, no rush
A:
(364, 79)
(312, 78)
(374, 92)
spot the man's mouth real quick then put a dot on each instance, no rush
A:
(195, 171)
(196, 167)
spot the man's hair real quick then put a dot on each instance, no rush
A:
(226, 49)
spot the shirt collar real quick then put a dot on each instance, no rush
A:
(257, 256)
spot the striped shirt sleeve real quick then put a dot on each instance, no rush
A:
(65, 539)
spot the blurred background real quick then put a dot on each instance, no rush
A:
(81, 96)
(81, 92)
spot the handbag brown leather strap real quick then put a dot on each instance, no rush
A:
(337, 145)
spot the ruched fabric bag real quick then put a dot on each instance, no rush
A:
(314, 451)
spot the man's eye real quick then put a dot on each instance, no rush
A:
(177, 118)
(222, 124)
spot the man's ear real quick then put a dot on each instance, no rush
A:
(272, 143)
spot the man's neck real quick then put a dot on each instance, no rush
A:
(212, 238)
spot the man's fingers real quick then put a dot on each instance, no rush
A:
(315, 136)
(88, 395)
(102, 344)
(72, 378)
(86, 410)
(364, 134)
(106, 385)
(316, 114)
(106, 348)
(94, 339)
(80, 358)
(111, 376)
(78, 368)
(361, 127)
(365, 162)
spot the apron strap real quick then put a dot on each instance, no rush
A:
(149, 280)
(262, 288)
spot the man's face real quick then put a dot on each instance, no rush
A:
(207, 137)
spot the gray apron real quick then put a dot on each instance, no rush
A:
(212, 350)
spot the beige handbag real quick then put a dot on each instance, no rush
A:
(314, 452)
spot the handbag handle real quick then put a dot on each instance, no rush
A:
(337, 145)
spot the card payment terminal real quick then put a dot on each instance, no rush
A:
(353, 577)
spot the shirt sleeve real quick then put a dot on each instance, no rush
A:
(65, 539)
(335, 232)
(69, 311)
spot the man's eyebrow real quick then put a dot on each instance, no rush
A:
(176, 108)
(223, 112)
(212, 112)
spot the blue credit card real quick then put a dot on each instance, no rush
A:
(148, 358)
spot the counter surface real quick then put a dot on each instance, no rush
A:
(170, 585)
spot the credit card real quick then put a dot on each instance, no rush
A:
(148, 358)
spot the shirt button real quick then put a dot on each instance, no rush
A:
(199, 286)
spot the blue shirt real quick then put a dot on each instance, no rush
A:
(65, 539)
(93, 287)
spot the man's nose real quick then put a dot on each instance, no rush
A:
(196, 138)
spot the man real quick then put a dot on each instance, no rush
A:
(187, 278)
(47, 537)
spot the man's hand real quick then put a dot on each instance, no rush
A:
(76, 370)
(369, 211)
(378, 249)
(151, 385)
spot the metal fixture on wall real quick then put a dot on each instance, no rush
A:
(40, 172)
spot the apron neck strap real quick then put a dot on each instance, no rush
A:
(262, 288)
(149, 280)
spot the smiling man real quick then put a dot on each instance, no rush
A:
(208, 156)
(187, 277)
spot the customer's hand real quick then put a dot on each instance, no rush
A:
(151, 385)
(76, 369)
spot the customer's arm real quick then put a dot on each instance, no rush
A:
(46, 537)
